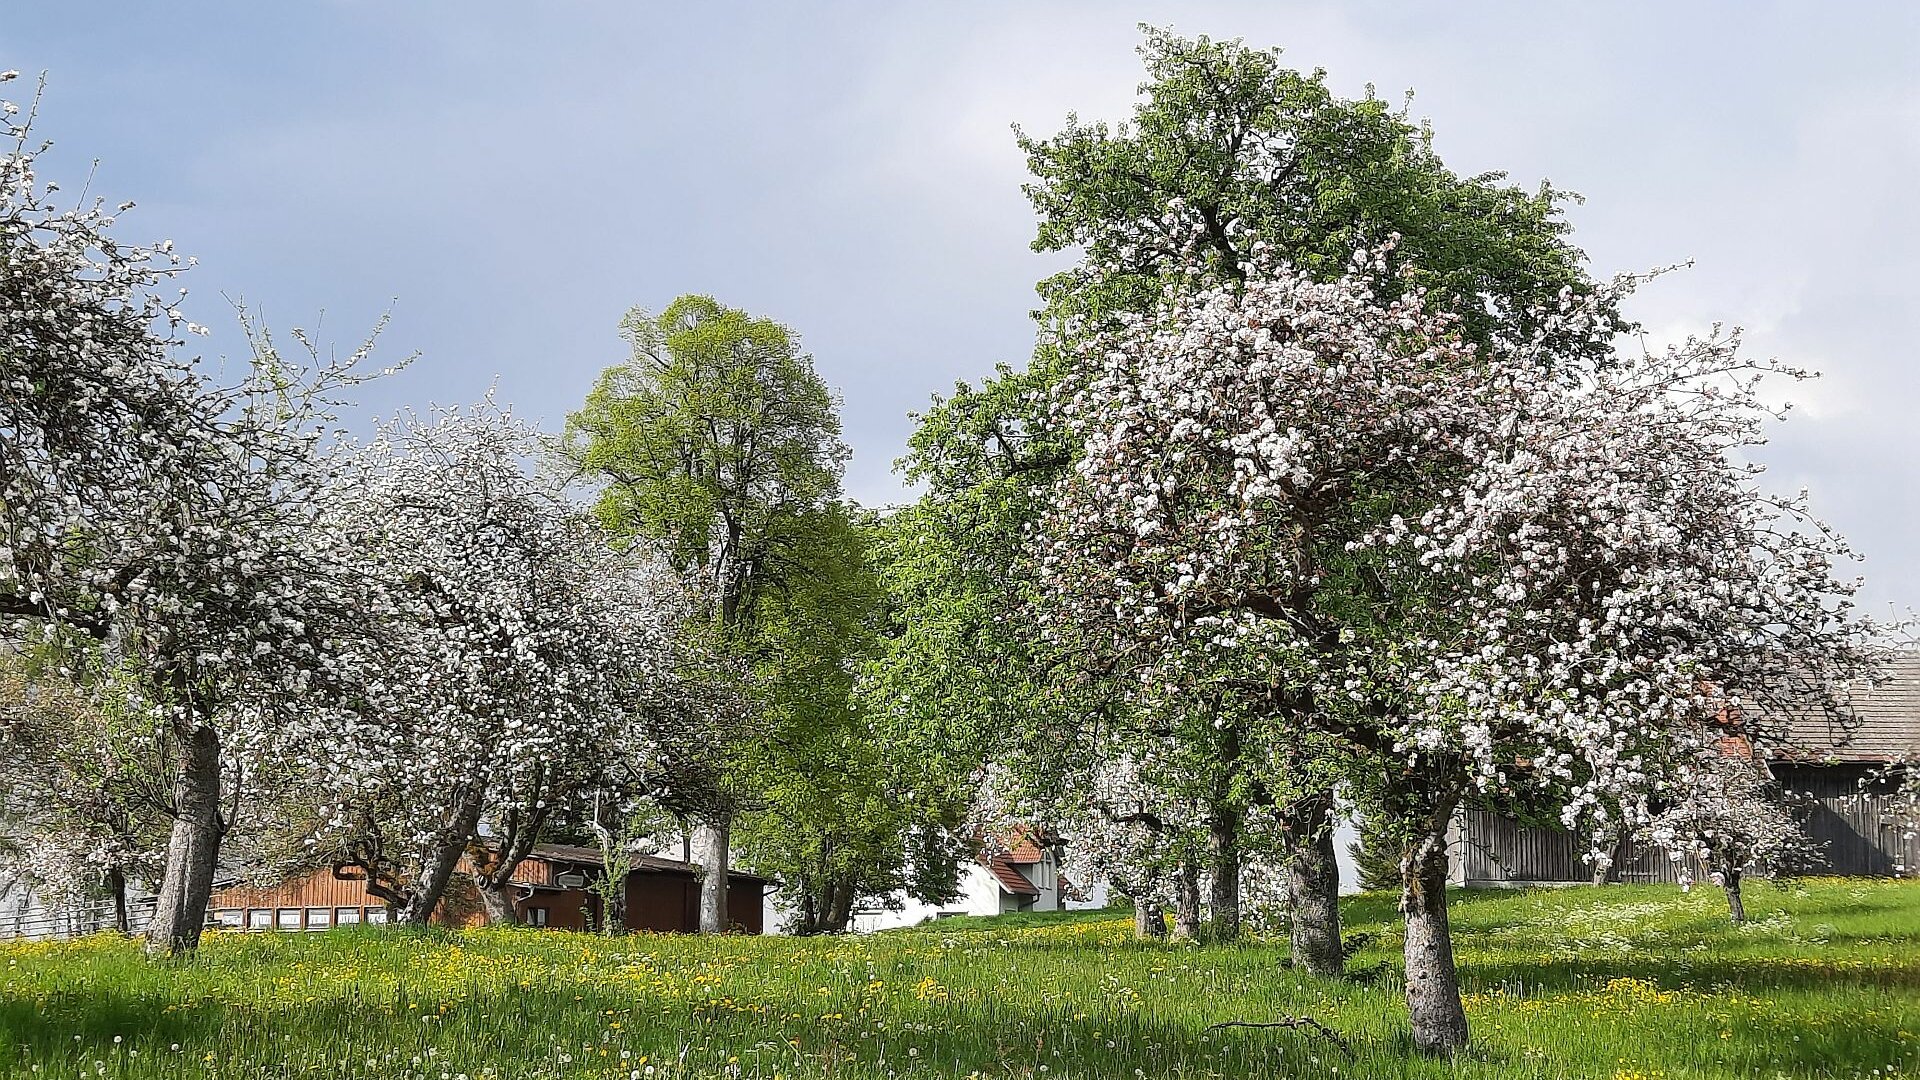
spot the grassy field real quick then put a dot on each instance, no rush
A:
(1622, 982)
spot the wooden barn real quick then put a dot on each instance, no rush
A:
(1855, 825)
(550, 890)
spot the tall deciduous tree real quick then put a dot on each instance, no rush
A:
(1226, 144)
(718, 441)
(828, 819)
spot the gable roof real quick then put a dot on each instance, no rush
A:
(1882, 723)
(1009, 878)
(1027, 844)
(580, 855)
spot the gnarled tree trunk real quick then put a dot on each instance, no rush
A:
(1606, 869)
(1149, 920)
(1186, 902)
(496, 901)
(193, 849)
(1438, 1016)
(1223, 897)
(1736, 906)
(436, 869)
(1313, 887)
(710, 842)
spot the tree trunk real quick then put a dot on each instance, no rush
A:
(613, 910)
(821, 914)
(1223, 899)
(117, 886)
(496, 901)
(1736, 907)
(806, 921)
(711, 840)
(193, 850)
(1186, 904)
(438, 866)
(1313, 886)
(1438, 1016)
(1607, 871)
(840, 914)
(1149, 921)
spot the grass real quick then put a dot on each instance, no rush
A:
(1621, 982)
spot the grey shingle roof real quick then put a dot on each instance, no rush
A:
(1884, 720)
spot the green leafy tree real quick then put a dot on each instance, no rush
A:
(719, 442)
(827, 820)
(1226, 145)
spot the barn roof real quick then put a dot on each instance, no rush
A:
(579, 855)
(1881, 723)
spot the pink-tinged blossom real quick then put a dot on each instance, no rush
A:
(1563, 561)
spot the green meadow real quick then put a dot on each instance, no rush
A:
(1617, 982)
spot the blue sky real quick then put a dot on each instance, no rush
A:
(509, 184)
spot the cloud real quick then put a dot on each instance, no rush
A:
(849, 169)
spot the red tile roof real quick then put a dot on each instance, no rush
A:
(1009, 878)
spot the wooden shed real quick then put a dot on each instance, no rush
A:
(1838, 767)
(550, 890)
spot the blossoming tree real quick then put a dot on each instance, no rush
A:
(82, 790)
(1521, 569)
(151, 521)
(513, 660)
(1728, 813)
(1226, 145)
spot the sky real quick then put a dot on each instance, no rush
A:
(507, 185)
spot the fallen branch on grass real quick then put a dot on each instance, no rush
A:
(1295, 1022)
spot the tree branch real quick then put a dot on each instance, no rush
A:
(1297, 1023)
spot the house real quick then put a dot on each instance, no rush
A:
(1023, 877)
(1855, 824)
(1020, 873)
(550, 888)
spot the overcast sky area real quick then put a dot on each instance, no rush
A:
(510, 185)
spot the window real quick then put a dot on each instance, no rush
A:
(231, 918)
(319, 918)
(536, 916)
(376, 915)
(286, 918)
(259, 918)
(346, 916)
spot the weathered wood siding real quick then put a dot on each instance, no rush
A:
(1857, 833)
(1495, 850)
